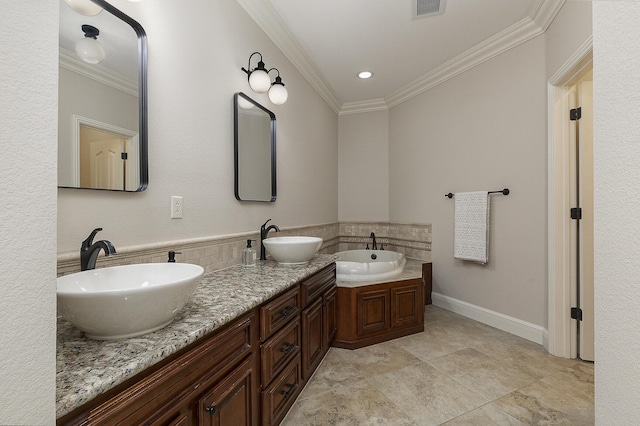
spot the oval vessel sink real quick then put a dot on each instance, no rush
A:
(126, 301)
(292, 250)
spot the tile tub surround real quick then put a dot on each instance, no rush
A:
(86, 368)
(214, 253)
(412, 240)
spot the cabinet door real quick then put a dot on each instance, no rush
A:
(373, 309)
(406, 305)
(312, 338)
(234, 400)
(330, 317)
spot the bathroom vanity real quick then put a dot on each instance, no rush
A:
(239, 353)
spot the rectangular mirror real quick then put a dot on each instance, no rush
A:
(102, 114)
(254, 150)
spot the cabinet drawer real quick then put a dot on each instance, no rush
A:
(279, 350)
(313, 287)
(278, 398)
(173, 383)
(276, 313)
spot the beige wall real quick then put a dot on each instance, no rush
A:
(616, 61)
(363, 167)
(482, 130)
(195, 56)
(29, 93)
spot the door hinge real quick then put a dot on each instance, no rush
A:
(575, 114)
(123, 155)
(576, 213)
(576, 313)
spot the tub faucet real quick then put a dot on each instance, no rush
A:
(263, 234)
(89, 250)
(374, 245)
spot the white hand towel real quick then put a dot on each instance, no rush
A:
(471, 228)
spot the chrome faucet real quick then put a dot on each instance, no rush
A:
(263, 234)
(374, 246)
(89, 250)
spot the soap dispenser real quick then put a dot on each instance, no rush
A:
(249, 255)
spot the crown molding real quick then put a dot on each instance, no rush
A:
(270, 21)
(100, 74)
(358, 107)
(535, 24)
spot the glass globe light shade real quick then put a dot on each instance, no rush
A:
(278, 94)
(259, 81)
(84, 7)
(89, 50)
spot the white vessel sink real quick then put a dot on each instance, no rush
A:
(292, 250)
(125, 301)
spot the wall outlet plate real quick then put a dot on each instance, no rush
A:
(176, 207)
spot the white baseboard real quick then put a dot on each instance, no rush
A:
(526, 330)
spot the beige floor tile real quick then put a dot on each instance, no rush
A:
(359, 404)
(487, 415)
(377, 359)
(426, 395)
(484, 375)
(433, 314)
(527, 356)
(436, 340)
(576, 380)
(543, 404)
(334, 371)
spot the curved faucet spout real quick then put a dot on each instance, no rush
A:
(374, 245)
(89, 250)
(263, 234)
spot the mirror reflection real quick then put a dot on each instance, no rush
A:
(255, 150)
(102, 142)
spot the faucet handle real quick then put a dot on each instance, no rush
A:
(86, 243)
(265, 224)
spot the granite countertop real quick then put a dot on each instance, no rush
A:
(86, 368)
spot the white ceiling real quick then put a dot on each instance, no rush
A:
(330, 41)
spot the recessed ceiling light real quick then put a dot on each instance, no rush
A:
(365, 74)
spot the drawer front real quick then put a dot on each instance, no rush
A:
(277, 313)
(314, 286)
(279, 350)
(171, 384)
(280, 396)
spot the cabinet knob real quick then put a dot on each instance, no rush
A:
(292, 387)
(289, 348)
(288, 311)
(211, 409)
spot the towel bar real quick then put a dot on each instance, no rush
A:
(502, 191)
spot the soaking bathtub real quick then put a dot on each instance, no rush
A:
(369, 265)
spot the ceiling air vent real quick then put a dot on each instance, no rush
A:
(428, 7)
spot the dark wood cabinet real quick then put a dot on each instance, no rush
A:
(232, 401)
(318, 318)
(376, 313)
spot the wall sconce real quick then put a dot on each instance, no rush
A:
(278, 93)
(260, 82)
(84, 7)
(88, 47)
(258, 78)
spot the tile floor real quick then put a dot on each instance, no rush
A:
(458, 372)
